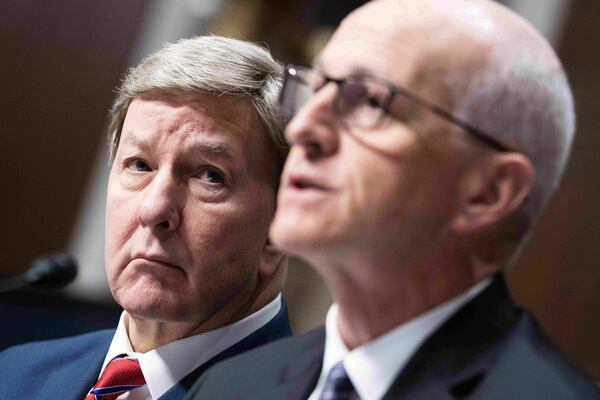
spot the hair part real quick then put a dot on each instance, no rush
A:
(207, 64)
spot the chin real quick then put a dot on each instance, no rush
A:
(153, 305)
(299, 244)
(284, 238)
(157, 313)
(306, 234)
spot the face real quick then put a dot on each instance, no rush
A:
(349, 190)
(190, 199)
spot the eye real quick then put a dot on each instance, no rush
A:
(138, 165)
(212, 176)
(353, 92)
(374, 102)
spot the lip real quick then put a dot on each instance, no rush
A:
(305, 182)
(156, 258)
(301, 189)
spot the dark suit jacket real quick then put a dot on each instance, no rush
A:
(68, 368)
(488, 350)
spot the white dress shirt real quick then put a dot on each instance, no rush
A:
(165, 366)
(373, 367)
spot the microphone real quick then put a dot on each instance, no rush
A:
(50, 272)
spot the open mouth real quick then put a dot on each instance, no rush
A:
(304, 184)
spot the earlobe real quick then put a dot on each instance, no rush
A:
(493, 191)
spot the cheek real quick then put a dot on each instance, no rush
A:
(387, 194)
(377, 172)
(225, 256)
(375, 190)
(120, 223)
(228, 235)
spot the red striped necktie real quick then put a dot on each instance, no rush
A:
(120, 375)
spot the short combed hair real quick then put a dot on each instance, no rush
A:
(207, 64)
(523, 99)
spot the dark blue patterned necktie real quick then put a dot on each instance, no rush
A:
(338, 386)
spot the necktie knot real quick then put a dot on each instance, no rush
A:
(120, 375)
(338, 386)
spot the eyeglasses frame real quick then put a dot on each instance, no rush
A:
(395, 90)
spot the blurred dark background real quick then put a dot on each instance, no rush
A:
(62, 60)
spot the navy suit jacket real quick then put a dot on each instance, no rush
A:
(68, 368)
(488, 350)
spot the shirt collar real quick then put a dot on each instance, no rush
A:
(373, 366)
(163, 367)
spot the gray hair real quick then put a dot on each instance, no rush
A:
(522, 98)
(207, 64)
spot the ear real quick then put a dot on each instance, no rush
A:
(492, 190)
(272, 260)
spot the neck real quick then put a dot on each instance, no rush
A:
(375, 294)
(147, 334)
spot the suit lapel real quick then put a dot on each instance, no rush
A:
(301, 374)
(448, 366)
(73, 378)
(457, 357)
(277, 328)
(298, 377)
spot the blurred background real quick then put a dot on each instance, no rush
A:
(62, 60)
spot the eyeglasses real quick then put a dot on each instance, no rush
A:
(362, 100)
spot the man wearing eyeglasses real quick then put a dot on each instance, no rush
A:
(425, 143)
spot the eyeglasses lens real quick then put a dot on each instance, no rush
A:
(356, 102)
(294, 95)
(356, 105)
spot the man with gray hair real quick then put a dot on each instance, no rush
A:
(196, 147)
(424, 145)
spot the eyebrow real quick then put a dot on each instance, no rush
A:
(132, 141)
(218, 149)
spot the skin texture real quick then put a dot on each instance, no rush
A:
(190, 199)
(392, 218)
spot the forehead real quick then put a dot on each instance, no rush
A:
(184, 127)
(191, 128)
(191, 113)
(413, 46)
(371, 40)
(187, 121)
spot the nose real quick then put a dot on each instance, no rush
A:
(314, 127)
(162, 203)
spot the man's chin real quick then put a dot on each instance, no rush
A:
(153, 308)
(155, 314)
(296, 244)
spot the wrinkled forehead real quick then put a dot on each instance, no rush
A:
(235, 112)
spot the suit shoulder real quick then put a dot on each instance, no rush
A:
(274, 354)
(261, 367)
(50, 351)
(532, 367)
(60, 344)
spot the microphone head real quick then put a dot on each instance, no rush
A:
(53, 271)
